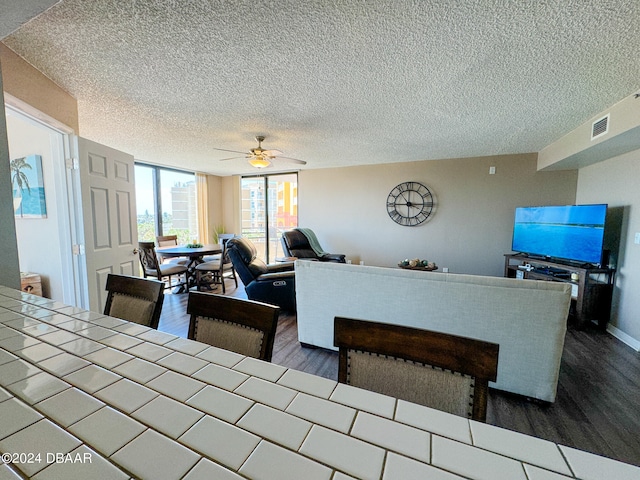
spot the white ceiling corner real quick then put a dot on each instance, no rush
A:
(16, 13)
(334, 83)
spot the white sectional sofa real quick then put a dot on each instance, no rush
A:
(527, 318)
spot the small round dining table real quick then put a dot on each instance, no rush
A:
(194, 254)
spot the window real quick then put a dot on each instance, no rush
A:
(166, 203)
(269, 207)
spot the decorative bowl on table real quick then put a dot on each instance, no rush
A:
(417, 264)
(194, 245)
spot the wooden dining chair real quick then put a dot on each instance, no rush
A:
(215, 272)
(151, 267)
(442, 371)
(134, 299)
(242, 326)
(170, 241)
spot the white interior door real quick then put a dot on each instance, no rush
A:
(108, 217)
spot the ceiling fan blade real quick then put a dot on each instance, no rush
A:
(272, 153)
(225, 150)
(230, 158)
(293, 160)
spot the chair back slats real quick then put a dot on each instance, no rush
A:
(134, 299)
(403, 361)
(151, 266)
(167, 240)
(220, 321)
(148, 258)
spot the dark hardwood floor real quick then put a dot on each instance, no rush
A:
(597, 407)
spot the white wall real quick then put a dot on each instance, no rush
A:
(40, 241)
(615, 181)
(471, 229)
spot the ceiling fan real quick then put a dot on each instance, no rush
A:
(259, 157)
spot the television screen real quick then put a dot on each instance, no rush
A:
(569, 232)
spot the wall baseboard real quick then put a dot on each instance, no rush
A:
(623, 337)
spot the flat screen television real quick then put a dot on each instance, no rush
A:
(569, 232)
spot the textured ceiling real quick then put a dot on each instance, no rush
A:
(334, 82)
(14, 14)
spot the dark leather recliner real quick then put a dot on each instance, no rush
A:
(296, 244)
(273, 283)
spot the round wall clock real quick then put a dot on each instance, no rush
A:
(410, 204)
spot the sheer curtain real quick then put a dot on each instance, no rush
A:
(202, 202)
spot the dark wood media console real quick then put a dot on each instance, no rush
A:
(591, 292)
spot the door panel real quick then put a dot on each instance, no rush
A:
(123, 204)
(108, 215)
(99, 213)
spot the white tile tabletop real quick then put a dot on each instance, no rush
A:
(350, 455)
(155, 415)
(364, 400)
(258, 368)
(183, 363)
(37, 353)
(69, 406)
(175, 385)
(164, 458)
(208, 470)
(220, 356)
(393, 436)
(322, 412)
(271, 462)
(220, 376)
(7, 332)
(81, 464)
(38, 387)
(14, 416)
(91, 378)
(308, 383)
(63, 364)
(107, 430)
(221, 441)
(149, 351)
(266, 392)
(108, 357)
(126, 395)
(275, 425)
(220, 403)
(139, 370)
(138, 403)
(39, 439)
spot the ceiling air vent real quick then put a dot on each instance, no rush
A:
(600, 127)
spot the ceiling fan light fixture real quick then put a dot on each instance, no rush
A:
(259, 162)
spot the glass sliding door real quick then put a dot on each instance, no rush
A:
(146, 203)
(166, 203)
(269, 207)
(178, 200)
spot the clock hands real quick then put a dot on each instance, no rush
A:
(410, 204)
(407, 198)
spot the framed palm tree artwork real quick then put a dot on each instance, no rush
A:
(29, 199)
